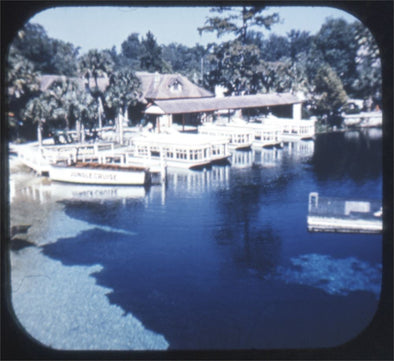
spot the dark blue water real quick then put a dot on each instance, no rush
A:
(222, 259)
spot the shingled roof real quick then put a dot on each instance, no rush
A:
(179, 106)
(153, 85)
(169, 86)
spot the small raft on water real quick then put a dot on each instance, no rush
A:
(329, 214)
(103, 174)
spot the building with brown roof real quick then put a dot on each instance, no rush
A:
(154, 86)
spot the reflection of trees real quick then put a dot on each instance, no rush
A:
(358, 157)
(254, 243)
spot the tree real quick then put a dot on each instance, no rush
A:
(233, 66)
(299, 44)
(275, 48)
(63, 60)
(131, 50)
(123, 91)
(22, 82)
(151, 57)
(329, 94)
(188, 61)
(369, 80)
(48, 55)
(95, 64)
(36, 113)
(277, 77)
(238, 21)
(234, 63)
(335, 44)
(61, 107)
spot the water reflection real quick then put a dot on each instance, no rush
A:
(254, 249)
(301, 150)
(199, 181)
(356, 154)
(45, 191)
(273, 157)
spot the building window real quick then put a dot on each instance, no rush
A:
(175, 86)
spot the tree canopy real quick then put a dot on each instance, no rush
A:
(341, 60)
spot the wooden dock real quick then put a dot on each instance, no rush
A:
(328, 214)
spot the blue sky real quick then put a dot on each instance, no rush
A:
(104, 27)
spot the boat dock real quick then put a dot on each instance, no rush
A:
(329, 214)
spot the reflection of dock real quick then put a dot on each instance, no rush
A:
(200, 181)
(327, 214)
(301, 150)
(272, 157)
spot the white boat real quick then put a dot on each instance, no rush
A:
(292, 129)
(96, 173)
(238, 137)
(265, 134)
(180, 150)
(364, 119)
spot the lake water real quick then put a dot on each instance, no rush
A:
(222, 259)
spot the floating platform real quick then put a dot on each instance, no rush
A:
(328, 214)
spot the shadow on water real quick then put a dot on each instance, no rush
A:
(254, 243)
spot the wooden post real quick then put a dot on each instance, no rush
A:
(120, 129)
(183, 122)
(100, 109)
(78, 129)
(82, 133)
(39, 133)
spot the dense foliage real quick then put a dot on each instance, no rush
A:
(339, 62)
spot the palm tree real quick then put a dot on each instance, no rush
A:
(95, 64)
(123, 92)
(37, 112)
(22, 82)
(64, 102)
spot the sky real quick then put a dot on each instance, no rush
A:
(108, 26)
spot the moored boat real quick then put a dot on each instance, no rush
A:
(238, 137)
(291, 129)
(96, 173)
(265, 134)
(185, 151)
